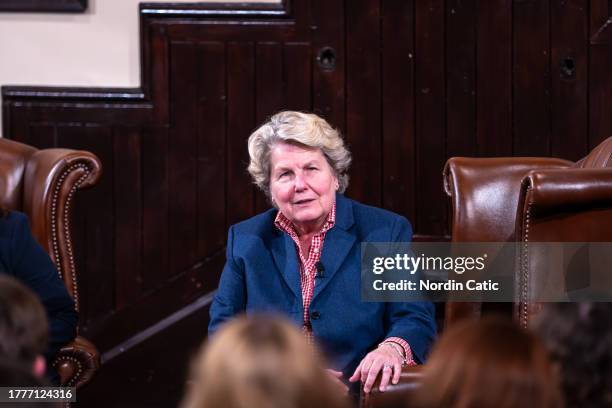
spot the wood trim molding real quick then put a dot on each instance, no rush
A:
(69, 6)
(218, 10)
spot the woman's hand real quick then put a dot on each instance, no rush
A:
(386, 359)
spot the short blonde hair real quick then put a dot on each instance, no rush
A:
(260, 361)
(306, 129)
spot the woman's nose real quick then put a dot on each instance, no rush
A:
(300, 184)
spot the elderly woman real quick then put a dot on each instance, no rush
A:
(302, 258)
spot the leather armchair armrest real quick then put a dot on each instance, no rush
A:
(396, 395)
(549, 191)
(52, 176)
(458, 170)
(485, 194)
(77, 362)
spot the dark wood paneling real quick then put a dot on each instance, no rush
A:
(240, 123)
(182, 156)
(531, 82)
(211, 187)
(269, 94)
(363, 99)
(297, 76)
(461, 31)
(494, 73)
(128, 214)
(569, 93)
(328, 85)
(430, 117)
(42, 135)
(398, 103)
(155, 220)
(600, 63)
(64, 6)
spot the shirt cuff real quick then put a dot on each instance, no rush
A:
(405, 346)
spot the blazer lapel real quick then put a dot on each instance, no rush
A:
(285, 258)
(338, 243)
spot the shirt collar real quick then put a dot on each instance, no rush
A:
(284, 224)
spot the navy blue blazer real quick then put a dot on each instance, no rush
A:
(23, 258)
(261, 274)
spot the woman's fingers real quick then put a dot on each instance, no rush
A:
(386, 375)
(397, 372)
(357, 373)
(371, 375)
(366, 365)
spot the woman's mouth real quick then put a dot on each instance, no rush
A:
(301, 202)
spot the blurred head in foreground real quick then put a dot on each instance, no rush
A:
(488, 363)
(260, 362)
(579, 339)
(23, 326)
(14, 375)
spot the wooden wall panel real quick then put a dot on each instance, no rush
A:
(128, 214)
(155, 220)
(531, 78)
(182, 149)
(409, 83)
(269, 94)
(461, 31)
(430, 117)
(42, 134)
(328, 85)
(363, 104)
(600, 63)
(240, 124)
(569, 92)
(494, 73)
(211, 119)
(297, 76)
(398, 105)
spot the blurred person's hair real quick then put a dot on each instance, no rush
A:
(579, 339)
(488, 363)
(23, 323)
(260, 361)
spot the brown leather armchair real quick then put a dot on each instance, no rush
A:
(42, 183)
(518, 199)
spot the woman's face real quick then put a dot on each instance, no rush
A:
(302, 184)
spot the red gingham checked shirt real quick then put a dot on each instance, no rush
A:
(308, 271)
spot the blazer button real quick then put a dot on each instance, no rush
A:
(315, 315)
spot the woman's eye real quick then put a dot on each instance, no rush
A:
(283, 174)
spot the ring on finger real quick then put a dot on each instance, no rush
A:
(387, 365)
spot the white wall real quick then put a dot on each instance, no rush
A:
(96, 48)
